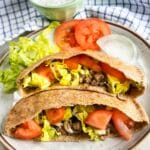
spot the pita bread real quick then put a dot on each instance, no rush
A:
(29, 107)
(130, 71)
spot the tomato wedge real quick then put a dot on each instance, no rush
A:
(28, 130)
(99, 119)
(64, 36)
(122, 124)
(112, 71)
(55, 115)
(45, 71)
(88, 31)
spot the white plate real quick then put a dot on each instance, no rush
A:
(6, 101)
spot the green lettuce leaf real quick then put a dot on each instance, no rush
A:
(25, 52)
(117, 87)
(8, 78)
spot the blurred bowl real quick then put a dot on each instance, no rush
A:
(59, 12)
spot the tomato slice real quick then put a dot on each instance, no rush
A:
(121, 123)
(72, 62)
(55, 115)
(112, 71)
(64, 36)
(99, 119)
(88, 31)
(89, 63)
(45, 71)
(86, 61)
(28, 130)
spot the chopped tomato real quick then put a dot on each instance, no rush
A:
(88, 31)
(64, 35)
(99, 119)
(45, 71)
(122, 124)
(112, 71)
(55, 115)
(125, 118)
(90, 63)
(28, 130)
(72, 62)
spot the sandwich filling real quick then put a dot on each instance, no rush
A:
(79, 70)
(96, 122)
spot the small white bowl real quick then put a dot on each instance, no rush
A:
(65, 11)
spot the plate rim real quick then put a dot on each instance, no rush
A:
(7, 145)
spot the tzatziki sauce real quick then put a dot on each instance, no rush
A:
(119, 46)
(52, 2)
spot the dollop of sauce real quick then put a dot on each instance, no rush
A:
(119, 46)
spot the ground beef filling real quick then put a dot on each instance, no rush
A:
(95, 79)
(72, 126)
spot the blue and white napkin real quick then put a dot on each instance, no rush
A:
(18, 16)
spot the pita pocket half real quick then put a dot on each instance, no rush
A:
(87, 69)
(73, 115)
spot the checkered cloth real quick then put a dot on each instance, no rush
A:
(18, 16)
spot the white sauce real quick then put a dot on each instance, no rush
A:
(51, 2)
(119, 46)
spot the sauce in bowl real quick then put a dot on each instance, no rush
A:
(52, 3)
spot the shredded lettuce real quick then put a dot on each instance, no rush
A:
(59, 69)
(76, 78)
(48, 132)
(87, 109)
(65, 80)
(61, 73)
(68, 114)
(76, 75)
(8, 78)
(84, 71)
(46, 39)
(66, 76)
(81, 112)
(117, 87)
(25, 52)
(36, 80)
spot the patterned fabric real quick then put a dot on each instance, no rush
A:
(18, 16)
